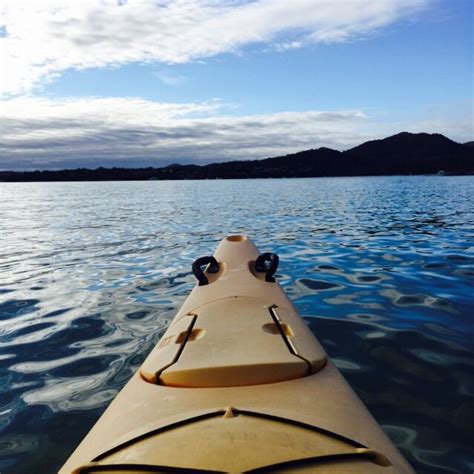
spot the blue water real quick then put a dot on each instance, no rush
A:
(381, 268)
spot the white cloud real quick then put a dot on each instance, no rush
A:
(169, 79)
(456, 119)
(47, 37)
(39, 132)
(42, 133)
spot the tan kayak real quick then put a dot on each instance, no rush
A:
(237, 383)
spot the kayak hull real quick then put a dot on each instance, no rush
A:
(237, 384)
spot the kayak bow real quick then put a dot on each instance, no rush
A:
(237, 383)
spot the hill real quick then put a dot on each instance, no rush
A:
(404, 153)
(408, 153)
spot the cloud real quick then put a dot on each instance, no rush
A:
(170, 79)
(42, 39)
(454, 118)
(42, 133)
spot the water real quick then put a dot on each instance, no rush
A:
(381, 268)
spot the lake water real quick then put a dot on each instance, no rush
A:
(381, 268)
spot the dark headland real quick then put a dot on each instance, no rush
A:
(401, 154)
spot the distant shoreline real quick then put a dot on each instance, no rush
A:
(403, 154)
(233, 179)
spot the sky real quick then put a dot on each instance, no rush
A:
(148, 83)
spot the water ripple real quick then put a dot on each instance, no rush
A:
(381, 268)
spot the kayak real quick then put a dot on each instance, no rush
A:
(237, 383)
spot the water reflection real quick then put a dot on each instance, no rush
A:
(381, 268)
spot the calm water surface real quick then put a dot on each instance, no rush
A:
(381, 269)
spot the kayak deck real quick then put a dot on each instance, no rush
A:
(237, 383)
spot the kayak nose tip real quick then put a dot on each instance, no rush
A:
(236, 238)
(236, 250)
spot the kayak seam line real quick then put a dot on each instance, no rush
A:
(228, 297)
(178, 354)
(330, 458)
(237, 411)
(157, 431)
(290, 346)
(301, 424)
(144, 467)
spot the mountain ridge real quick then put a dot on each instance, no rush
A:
(404, 153)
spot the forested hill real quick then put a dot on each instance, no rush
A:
(401, 154)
